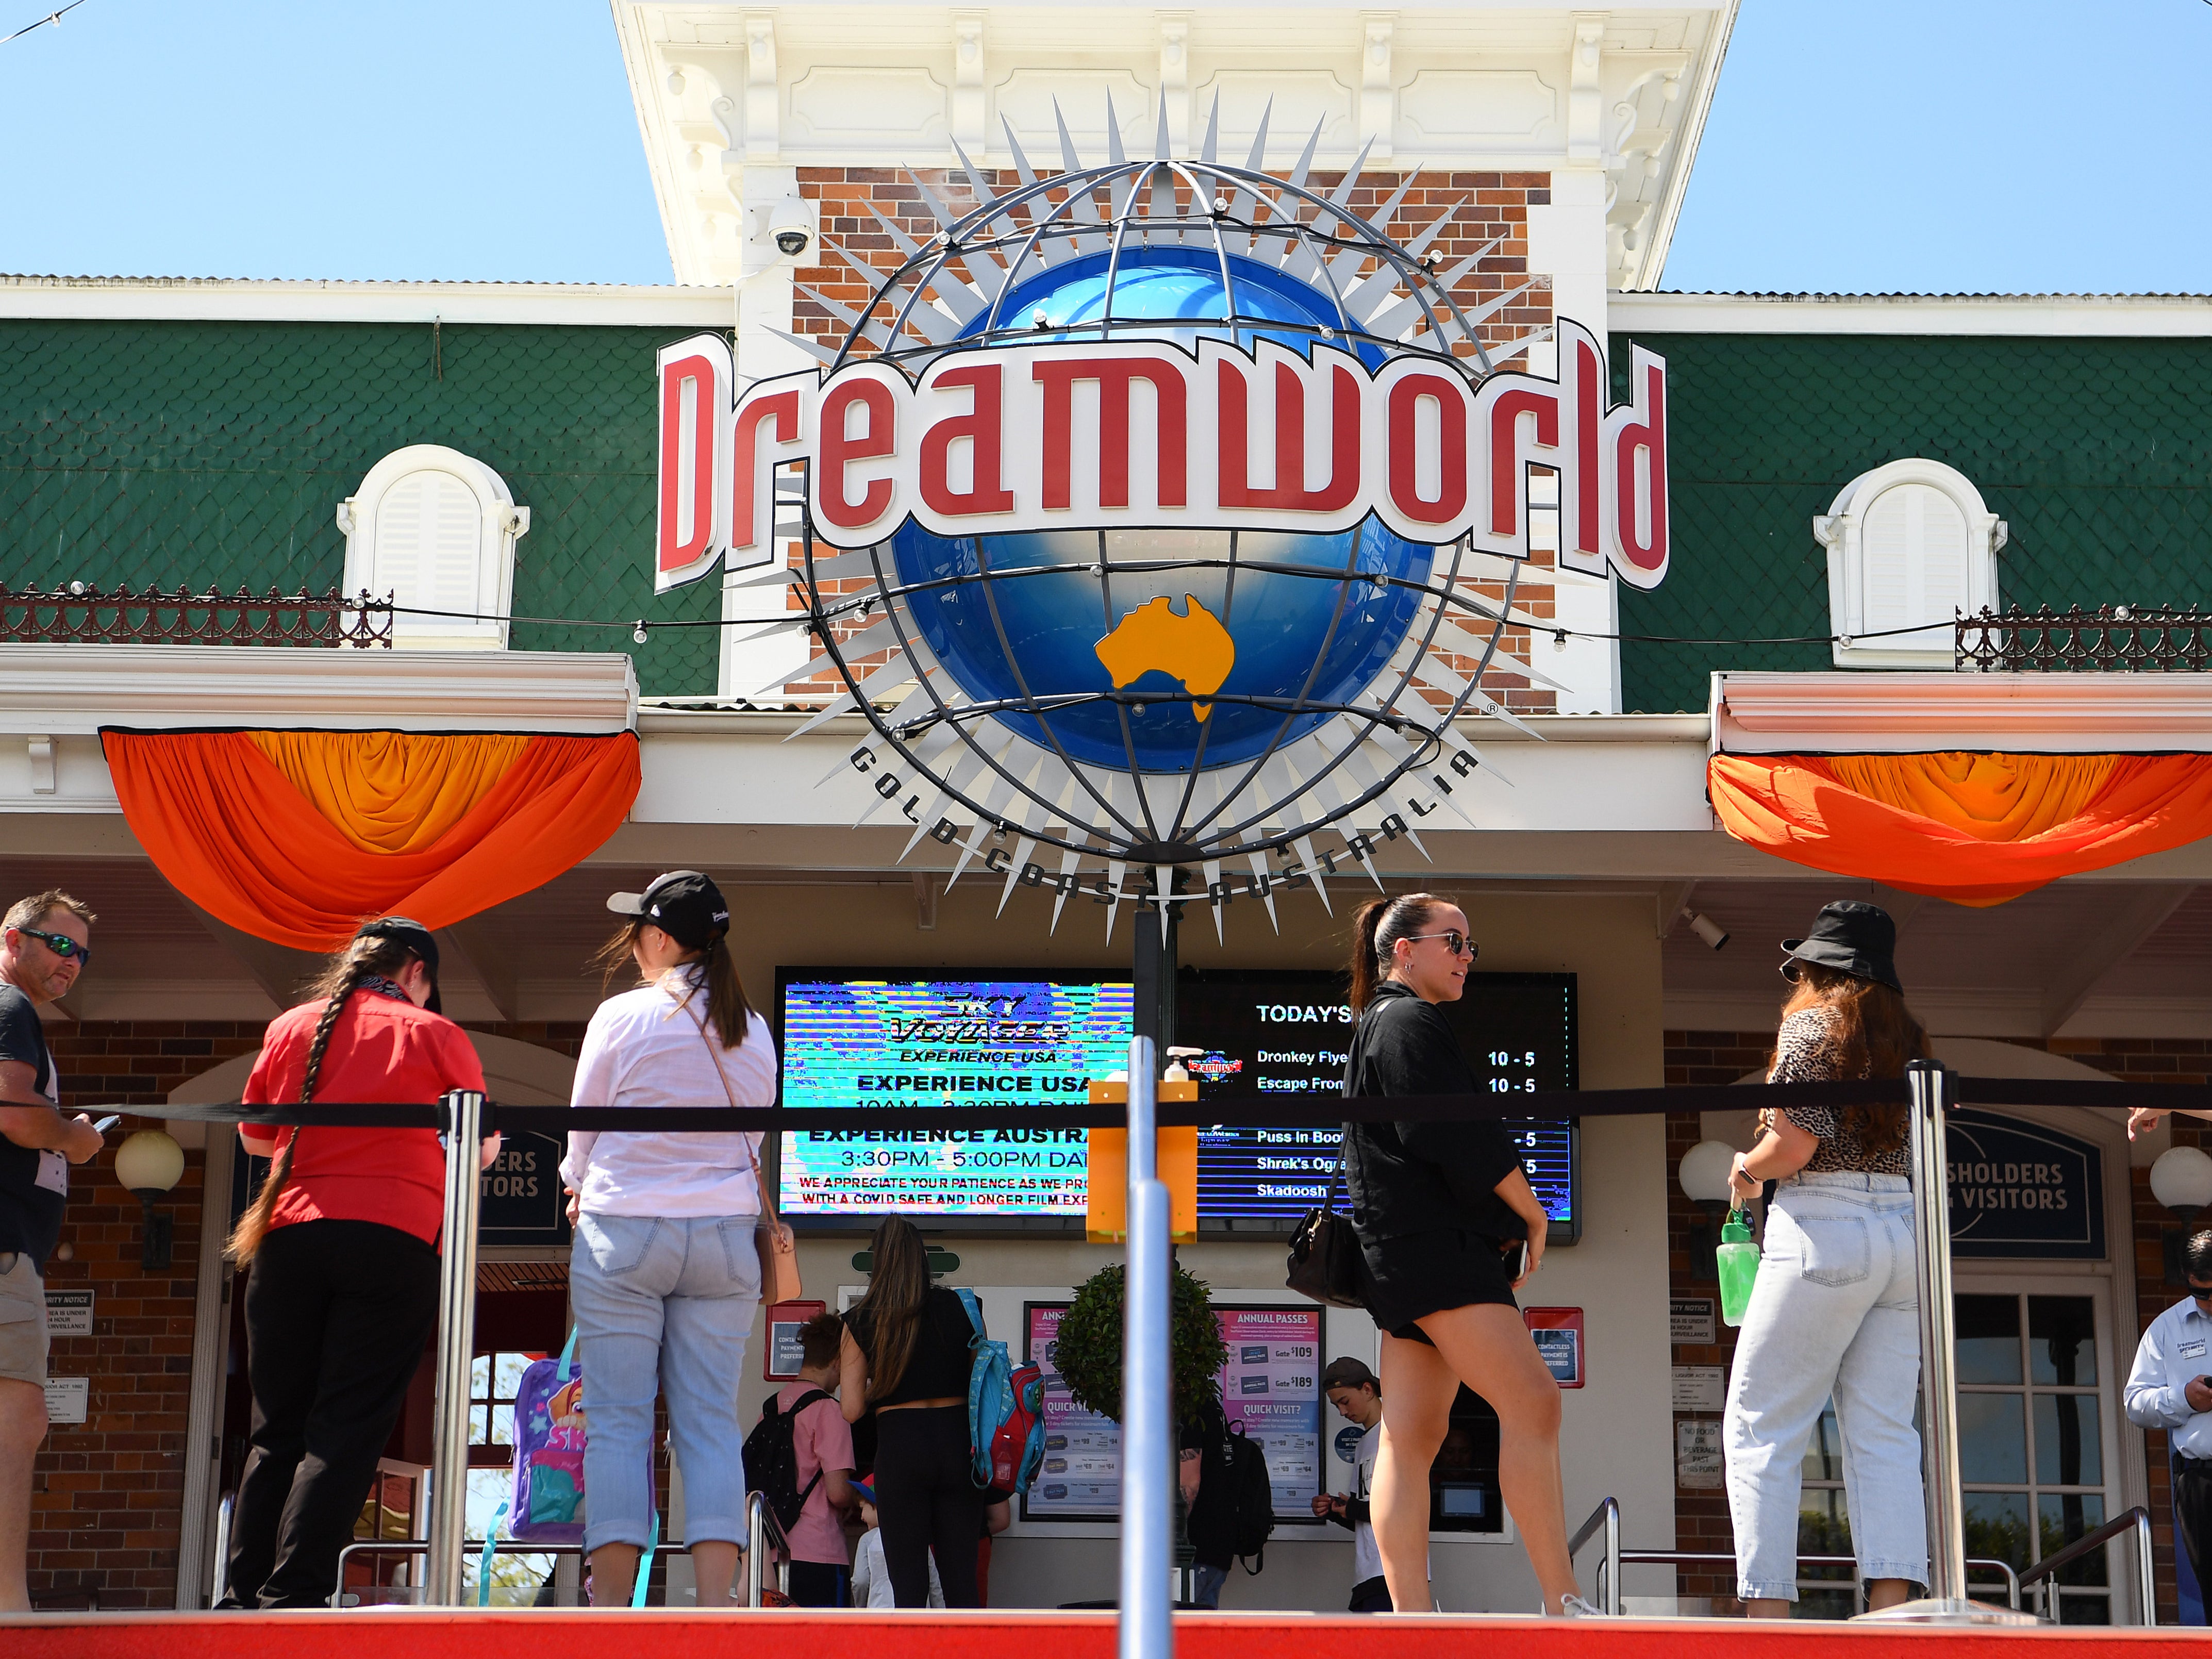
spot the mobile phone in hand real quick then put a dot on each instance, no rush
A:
(107, 1124)
(1516, 1258)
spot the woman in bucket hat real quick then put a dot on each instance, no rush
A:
(1835, 1310)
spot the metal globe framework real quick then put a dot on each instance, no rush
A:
(1385, 758)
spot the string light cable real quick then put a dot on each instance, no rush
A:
(53, 17)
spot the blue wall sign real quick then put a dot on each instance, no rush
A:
(2021, 1190)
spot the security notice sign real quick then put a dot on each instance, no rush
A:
(69, 1313)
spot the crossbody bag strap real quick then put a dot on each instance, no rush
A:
(760, 1182)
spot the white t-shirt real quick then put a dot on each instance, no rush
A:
(871, 1580)
(1366, 1559)
(644, 1048)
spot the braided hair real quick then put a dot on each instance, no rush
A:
(1376, 926)
(367, 957)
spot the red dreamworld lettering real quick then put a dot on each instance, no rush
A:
(984, 427)
(679, 444)
(750, 470)
(1448, 394)
(1639, 491)
(1289, 492)
(1508, 475)
(878, 438)
(1114, 376)
(1589, 420)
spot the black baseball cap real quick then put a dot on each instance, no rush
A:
(683, 903)
(1348, 1373)
(411, 933)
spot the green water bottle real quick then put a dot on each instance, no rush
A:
(1738, 1259)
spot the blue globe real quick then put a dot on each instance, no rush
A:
(1317, 628)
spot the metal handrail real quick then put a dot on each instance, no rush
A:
(2136, 1520)
(762, 1529)
(218, 1585)
(499, 1547)
(1685, 1558)
(1605, 1515)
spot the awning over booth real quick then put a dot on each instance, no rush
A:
(295, 836)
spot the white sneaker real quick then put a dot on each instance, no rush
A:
(1573, 1607)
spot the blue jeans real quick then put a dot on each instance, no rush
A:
(669, 1300)
(1835, 1310)
(1206, 1584)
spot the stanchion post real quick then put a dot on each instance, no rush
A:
(1148, 1443)
(1930, 1083)
(1933, 1086)
(457, 1321)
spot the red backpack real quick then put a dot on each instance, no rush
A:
(1016, 1449)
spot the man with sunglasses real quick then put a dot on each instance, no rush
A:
(42, 949)
(2170, 1389)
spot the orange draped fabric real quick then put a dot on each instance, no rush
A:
(1974, 829)
(294, 837)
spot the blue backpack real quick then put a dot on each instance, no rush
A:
(1006, 1411)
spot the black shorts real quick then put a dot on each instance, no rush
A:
(1416, 1274)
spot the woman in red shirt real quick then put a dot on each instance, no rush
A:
(343, 1241)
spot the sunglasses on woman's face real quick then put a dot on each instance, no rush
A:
(62, 945)
(1454, 941)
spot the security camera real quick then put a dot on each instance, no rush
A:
(790, 227)
(1706, 928)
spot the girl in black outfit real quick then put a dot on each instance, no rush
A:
(905, 1356)
(1441, 1210)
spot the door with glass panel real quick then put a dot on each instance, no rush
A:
(2037, 1414)
(2038, 1422)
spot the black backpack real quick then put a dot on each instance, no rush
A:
(1234, 1514)
(772, 1459)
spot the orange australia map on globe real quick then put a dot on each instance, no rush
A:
(1194, 648)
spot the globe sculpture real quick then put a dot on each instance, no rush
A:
(1161, 698)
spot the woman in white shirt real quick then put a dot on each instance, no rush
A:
(664, 1274)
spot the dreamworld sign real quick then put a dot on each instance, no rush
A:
(1018, 437)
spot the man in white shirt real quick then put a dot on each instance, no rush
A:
(2170, 1389)
(1357, 1396)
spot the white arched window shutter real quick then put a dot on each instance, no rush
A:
(436, 530)
(1910, 547)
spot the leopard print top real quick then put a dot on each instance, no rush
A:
(1805, 1051)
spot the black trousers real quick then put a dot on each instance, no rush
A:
(2192, 1513)
(926, 1496)
(337, 1314)
(1370, 1595)
(820, 1584)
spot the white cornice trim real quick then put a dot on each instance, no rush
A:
(65, 691)
(1903, 713)
(2088, 316)
(674, 720)
(200, 298)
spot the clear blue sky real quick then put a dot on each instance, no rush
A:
(1855, 145)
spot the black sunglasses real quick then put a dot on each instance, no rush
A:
(2202, 1293)
(1454, 941)
(69, 951)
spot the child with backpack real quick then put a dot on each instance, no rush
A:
(801, 1459)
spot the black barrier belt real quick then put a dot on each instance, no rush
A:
(1289, 1113)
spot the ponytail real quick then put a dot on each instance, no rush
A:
(1376, 926)
(727, 1006)
(346, 972)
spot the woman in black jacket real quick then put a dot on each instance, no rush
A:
(1444, 1212)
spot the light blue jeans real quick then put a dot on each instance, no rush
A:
(1835, 1311)
(668, 1301)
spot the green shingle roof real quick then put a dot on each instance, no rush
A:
(216, 453)
(2096, 451)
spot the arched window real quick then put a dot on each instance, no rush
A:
(1910, 546)
(436, 531)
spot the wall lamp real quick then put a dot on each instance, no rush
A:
(2182, 1180)
(1703, 1173)
(149, 1163)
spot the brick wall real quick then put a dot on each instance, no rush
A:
(1695, 1058)
(107, 1495)
(1489, 206)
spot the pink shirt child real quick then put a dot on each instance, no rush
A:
(822, 1440)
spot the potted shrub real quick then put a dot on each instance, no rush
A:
(1089, 1345)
